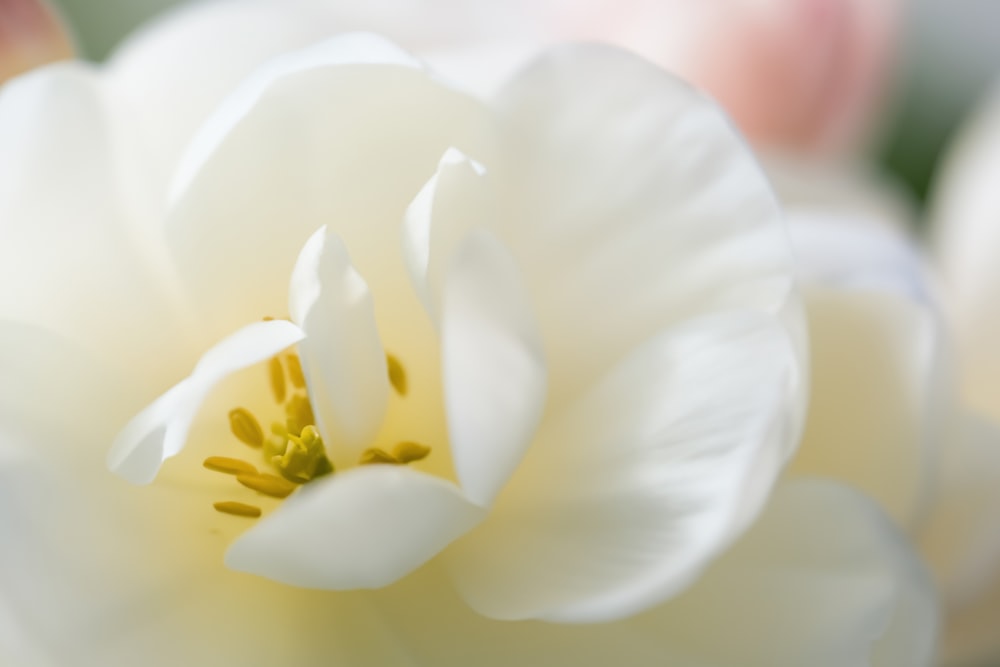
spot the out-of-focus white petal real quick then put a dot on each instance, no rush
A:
(67, 244)
(965, 210)
(493, 366)
(871, 420)
(289, 154)
(883, 386)
(627, 493)
(362, 528)
(821, 579)
(160, 431)
(631, 197)
(961, 537)
(343, 358)
(846, 252)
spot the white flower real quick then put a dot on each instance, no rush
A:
(602, 351)
(966, 209)
(885, 414)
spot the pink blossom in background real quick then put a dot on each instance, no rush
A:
(31, 34)
(802, 75)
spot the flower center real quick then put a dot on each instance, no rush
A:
(295, 449)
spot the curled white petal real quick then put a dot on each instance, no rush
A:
(629, 492)
(362, 528)
(160, 430)
(450, 204)
(495, 378)
(342, 354)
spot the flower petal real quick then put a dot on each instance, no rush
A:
(965, 206)
(820, 580)
(874, 414)
(160, 431)
(627, 493)
(449, 205)
(199, 55)
(961, 537)
(855, 252)
(362, 528)
(67, 243)
(493, 366)
(285, 155)
(342, 355)
(633, 198)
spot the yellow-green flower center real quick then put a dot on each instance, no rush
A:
(295, 449)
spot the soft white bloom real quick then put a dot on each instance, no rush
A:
(586, 286)
(885, 414)
(966, 217)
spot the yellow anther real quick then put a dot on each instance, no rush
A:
(397, 374)
(408, 452)
(376, 455)
(246, 427)
(229, 466)
(277, 376)
(295, 371)
(298, 413)
(237, 509)
(269, 485)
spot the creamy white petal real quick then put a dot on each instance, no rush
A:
(821, 580)
(965, 206)
(362, 528)
(160, 431)
(287, 154)
(838, 251)
(494, 371)
(453, 202)
(68, 245)
(629, 492)
(631, 197)
(350, 49)
(198, 54)
(342, 354)
(961, 537)
(875, 414)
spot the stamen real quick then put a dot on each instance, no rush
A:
(245, 427)
(304, 457)
(397, 374)
(229, 466)
(277, 376)
(237, 509)
(408, 452)
(299, 414)
(295, 371)
(269, 485)
(376, 455)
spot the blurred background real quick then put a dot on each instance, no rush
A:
(933, 61)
